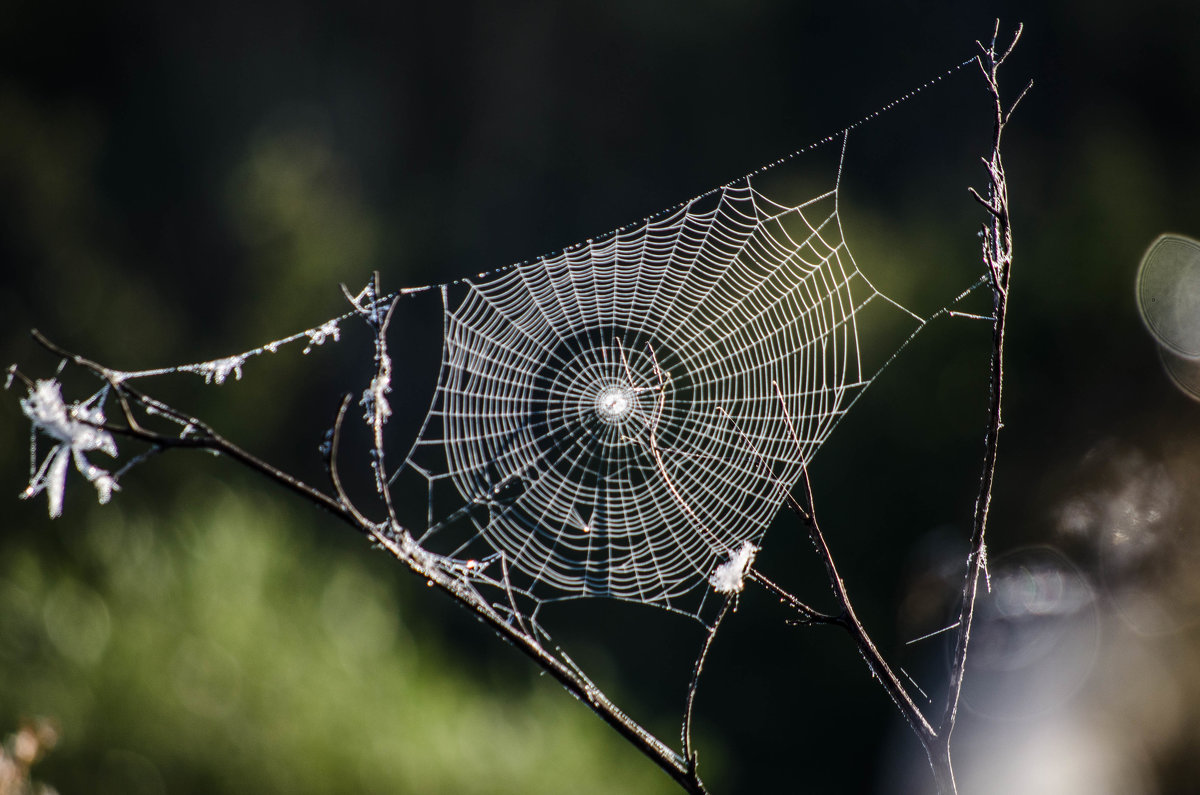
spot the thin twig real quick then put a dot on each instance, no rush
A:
(848, 619)
(206, 439)
(997, 252)
(686, 733)
(331, 465)
(808, 615)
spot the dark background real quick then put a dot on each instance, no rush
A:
(180, 182)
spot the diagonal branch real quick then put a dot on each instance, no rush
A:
(389, 535)
(847, 619)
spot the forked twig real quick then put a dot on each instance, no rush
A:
(809, 616)
(200, 437)
(512, 600)
(847, 619)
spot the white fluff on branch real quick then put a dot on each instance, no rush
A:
(75, 426)
(730, 576)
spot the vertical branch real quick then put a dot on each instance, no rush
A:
(997, 256)
(378, 409)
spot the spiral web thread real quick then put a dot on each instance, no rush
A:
(617, 420)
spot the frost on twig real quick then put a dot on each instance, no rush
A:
(317, 336)
(377, 314)
(76, 427)
(376, 408)
(216, 371)
(730, 576)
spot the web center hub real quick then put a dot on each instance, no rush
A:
(614, 404)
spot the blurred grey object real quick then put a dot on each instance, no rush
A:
(1168, 297)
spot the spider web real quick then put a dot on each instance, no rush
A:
(620, 419)
(625, 418)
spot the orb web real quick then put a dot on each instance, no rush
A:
(617, 420)
(622, 419)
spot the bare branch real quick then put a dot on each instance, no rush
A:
(997, 257)
(401, 545)
(335, 476)
(847, 618)
(686, 734)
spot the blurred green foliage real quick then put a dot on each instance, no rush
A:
(228, 653)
